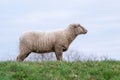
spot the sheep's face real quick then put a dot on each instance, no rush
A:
(78, 29)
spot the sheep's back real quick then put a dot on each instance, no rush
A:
(39, 41)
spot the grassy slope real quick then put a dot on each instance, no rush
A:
(53, 70)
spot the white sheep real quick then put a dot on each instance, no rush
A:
(43, 42)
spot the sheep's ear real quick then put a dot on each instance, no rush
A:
(73, 25)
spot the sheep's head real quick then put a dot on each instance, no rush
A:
(78, 29)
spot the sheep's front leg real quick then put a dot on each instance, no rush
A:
(58, 53)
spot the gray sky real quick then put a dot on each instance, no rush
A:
(101, 18)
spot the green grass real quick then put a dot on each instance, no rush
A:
(60, 70)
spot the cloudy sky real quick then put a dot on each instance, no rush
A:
(101, 19)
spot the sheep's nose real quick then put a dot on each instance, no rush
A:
(86, 31)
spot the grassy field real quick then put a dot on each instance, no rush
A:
(60, 70)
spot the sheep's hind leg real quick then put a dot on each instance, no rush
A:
(22, 56)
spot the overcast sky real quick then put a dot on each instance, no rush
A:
(101, 19)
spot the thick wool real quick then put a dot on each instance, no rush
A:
(43, 42)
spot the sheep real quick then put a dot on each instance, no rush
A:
(44, 42)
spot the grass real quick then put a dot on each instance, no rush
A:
(60, 70)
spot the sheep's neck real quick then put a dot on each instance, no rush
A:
(71, 37)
